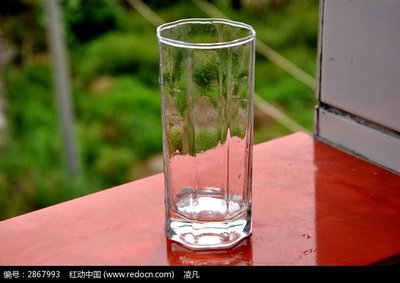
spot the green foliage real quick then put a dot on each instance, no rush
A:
(174, 141)
(32, 174)
(180, 10)
(182, 101)
(120, 53)
(125, 120)
(22, 26)
(85, 20)
(32, 114)
(206, 140)
(114, 62)
(205, 76)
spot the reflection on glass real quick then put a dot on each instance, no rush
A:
(239, 255)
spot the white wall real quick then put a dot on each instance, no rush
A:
(359, 78)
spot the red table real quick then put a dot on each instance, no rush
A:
(312, 204)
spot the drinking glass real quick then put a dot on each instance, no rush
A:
(207, 85)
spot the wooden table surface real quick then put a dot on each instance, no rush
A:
(312, 205)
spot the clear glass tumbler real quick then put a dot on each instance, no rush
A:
(207, 86)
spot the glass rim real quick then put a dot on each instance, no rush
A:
(206, 45)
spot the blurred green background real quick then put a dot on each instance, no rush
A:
(113, 63)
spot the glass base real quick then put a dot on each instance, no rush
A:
(208, 234)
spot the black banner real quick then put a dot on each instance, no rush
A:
(190, 273)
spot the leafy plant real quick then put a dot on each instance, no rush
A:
(114, 61)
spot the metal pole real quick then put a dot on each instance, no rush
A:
(61, 82)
